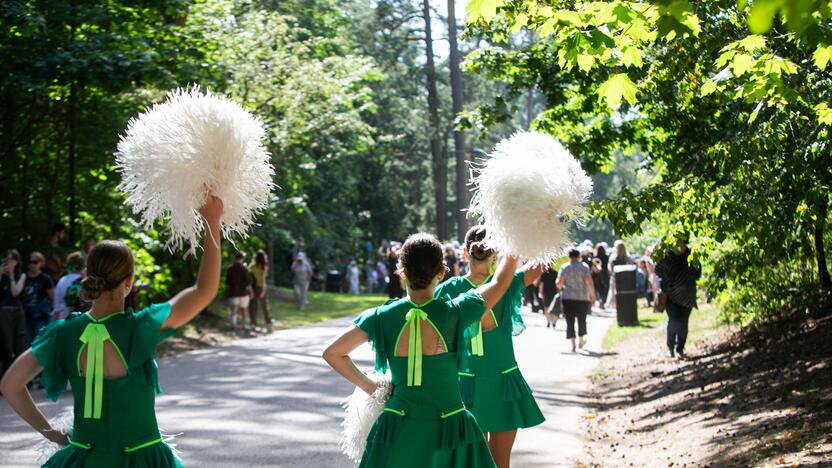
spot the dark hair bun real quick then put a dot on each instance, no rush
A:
(421, 259)
(93, 286)
(475, 244)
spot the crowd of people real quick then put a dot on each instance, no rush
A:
(34, 293)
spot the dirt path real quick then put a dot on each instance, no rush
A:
(760, 400)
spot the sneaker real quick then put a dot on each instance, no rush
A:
(682, 356)
(671, 354)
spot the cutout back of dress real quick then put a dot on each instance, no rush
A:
(98, 358)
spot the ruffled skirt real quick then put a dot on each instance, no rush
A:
(500, 402)
(158, 455)
(403, 441)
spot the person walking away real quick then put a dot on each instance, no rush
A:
(548, 287)
(238, 281)
(619, 257)
(371, 275)
(37, 297)
(353, 277)
(302, 275)
(12, 317)
(604, 274)
(54, 259)
(260, 297)
(578, 295)
(68, 290)
(678, 281)
(643, 281)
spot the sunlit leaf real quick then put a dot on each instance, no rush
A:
(616, 87)
(482, 9)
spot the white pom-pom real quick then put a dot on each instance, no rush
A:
(176, 152)
(527, 194)
(360, 413)
(45, 448)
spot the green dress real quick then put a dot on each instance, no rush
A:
(424, 423)
(492, 386)
(114, 422)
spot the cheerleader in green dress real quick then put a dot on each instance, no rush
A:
(492, 386)
(422, 340)
(107, 356)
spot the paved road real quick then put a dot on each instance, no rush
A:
(272, 401)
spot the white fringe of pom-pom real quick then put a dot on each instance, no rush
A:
(176, 152)
(360, 413)
(527, 194)
(45, 448)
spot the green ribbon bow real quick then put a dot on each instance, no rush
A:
(477, 347)
(414, 347)
(94, 337)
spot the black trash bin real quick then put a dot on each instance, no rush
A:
(626, 295)
(333, 281)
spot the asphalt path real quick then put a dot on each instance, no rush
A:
(272, 401)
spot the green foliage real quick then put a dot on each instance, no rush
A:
(735, 125)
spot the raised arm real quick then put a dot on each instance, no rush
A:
(337, 356)
(13, 386)
(493, 291)
(190, 302)
(531, 273)
(16, 286)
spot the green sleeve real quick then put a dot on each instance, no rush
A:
(46, 350)
(470, 307)
(509, 305)
(370, 322)
(147, 334)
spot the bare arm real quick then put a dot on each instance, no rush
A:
(532, 273)
(561, 281)
(337, 356)
(493, 291)
(13, 386)
(590, 286)
(17, 287)
(190, 302)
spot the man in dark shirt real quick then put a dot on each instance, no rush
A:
(238, 280)
(37, 296)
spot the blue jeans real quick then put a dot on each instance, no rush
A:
(37, 317)
(677, 326)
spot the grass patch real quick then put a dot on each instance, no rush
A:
(213, 327)
(322, 306)
(702, 320)
(647, 320)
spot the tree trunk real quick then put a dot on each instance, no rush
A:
(73, 138)
(529, 108)
(438, 163)
(820, 251)
(459, 137)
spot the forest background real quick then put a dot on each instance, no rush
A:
(710, 120)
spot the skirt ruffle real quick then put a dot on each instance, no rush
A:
(385, 429)
(504, 402)
(514, 385)
(155, 456)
